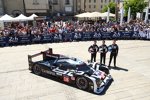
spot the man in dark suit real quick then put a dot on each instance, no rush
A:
(114, 52)
(93, 49)
(103, 50)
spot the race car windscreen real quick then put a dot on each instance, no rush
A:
(85, 68)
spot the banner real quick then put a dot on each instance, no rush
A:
(126, 35)
(57, 37)
(3, 41)
(97, 35)
(77, 36)
(24, 39)
(136, 35)
(71, 36)
(13, 40)
(36, 38)
(106, 35)
(46, 38)
(87, 36)
(68, 36)
(116, 35)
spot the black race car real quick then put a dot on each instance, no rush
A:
(71, 70)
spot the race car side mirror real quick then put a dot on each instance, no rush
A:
(88, 61)
(75, 59)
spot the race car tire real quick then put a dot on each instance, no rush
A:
(82, 83)
(37, 69)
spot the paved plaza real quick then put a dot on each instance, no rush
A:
(131, 77)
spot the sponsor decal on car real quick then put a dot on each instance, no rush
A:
(48, 72)
(66, 79)
(72, 78)
(100, 74)
(59, 74)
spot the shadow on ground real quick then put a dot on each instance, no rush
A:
(73, 85)
(118, 68)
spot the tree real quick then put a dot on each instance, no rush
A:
(135, 5)
(111, 5)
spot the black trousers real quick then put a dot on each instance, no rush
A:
(102, 58)
(113, 55)
(93, 57)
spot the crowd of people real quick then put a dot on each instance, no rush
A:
(48, 27)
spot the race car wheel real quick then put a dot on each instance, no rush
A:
(82, 83)
(37, 69)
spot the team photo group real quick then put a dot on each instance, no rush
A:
(103, 49)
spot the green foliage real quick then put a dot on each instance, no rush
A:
(135, 5)
(111, 5)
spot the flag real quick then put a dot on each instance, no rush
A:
(129, 14)
(108, 11)
(146, 15)
(121, 16)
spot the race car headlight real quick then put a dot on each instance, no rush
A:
(91, 85)
(98, 82)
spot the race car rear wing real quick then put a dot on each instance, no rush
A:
(43, 53)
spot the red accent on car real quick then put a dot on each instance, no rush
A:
(66, 79)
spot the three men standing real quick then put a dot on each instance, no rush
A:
(103, 49)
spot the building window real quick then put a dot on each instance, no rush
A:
(109, 0)
(89, 1)
(148, 16)
(94, 1)
(50, 7)
(148, 10)
(101, 1)
(67, 2)
(35, 2)
(101, 6)
(94, 6)
(105, 1)
(89, 6)
(55, 2)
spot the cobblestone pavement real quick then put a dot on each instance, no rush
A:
(131, 78)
